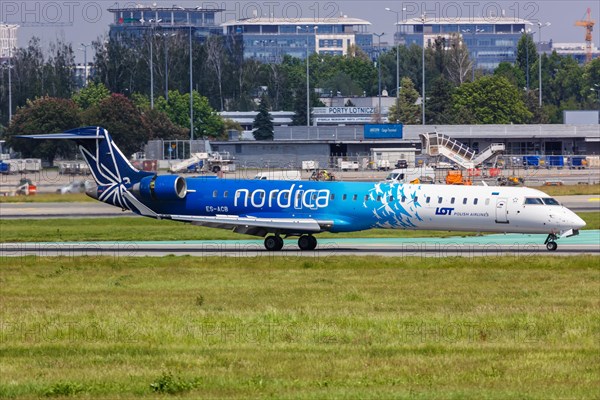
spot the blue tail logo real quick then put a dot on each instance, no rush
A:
(111, 170)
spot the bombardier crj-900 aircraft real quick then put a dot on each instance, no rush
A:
(276, 209)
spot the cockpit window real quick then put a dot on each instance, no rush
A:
(533, 200)
(549, 201)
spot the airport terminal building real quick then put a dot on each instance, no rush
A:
(294, 144)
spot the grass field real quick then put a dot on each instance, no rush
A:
(144, 229)
(264, 327)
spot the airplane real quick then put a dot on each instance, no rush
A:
(275, 208)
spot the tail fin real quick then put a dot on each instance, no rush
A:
(107, 163)
(113, 173)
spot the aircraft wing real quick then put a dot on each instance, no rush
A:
(255, 226)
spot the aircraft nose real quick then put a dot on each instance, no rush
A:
(576, 221)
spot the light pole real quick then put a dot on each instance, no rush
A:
(165, 35)
(540, 26)
(9, 65)
(85, 64)
(397, 60)
(191, 96)
(298, 28)
(379, 35)
(423, 17)
(596, 89)
(153, 23)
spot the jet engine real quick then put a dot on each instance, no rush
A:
(162, 187)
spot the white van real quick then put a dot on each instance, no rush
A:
(285, 175)
(412, 175)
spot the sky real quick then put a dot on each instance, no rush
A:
(82, 21)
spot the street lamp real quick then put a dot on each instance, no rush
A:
(165, 35)
(379, 35)
(397, 59)
(298, 28)
(153, 23)
(423, 17)
(85, 64)
(191, 96)
(527, 32)
(596, 89)
(540, 26)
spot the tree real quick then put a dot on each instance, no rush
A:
(91, 95)
(439, 103)
(206, 120)
(408, 111)
(526, 57)
(459, 63)
(122, 119)
(44, 115)
(512, 73)
(159, 126)
(490, 100)
(263, 123)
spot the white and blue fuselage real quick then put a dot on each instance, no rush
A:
(303, 208)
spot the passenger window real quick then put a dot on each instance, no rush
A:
(331, 196)
(285, 195)
(475, 201)
(378, 198)
(225, 193)
(344, 197)
(273, 194)
(215, 193)
(366, 197)
(487, 202)
(416, 198)
(452, 200)
(428, 200)
(355, 197)
(391, 198)
(465, 200)
(439, 200)
(403, 199)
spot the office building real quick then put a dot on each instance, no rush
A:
(8, 40)
(269, 39)
(490, 40)
(139, 20)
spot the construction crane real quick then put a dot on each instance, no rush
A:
(588, 24)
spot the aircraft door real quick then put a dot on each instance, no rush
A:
(502, 211)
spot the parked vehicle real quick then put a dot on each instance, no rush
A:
(73, 187)
(285, 175)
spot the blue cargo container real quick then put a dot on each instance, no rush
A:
(577, 162)
(531, 161)
(4, 168)
(555, 161)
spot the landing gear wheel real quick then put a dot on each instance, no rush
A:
(550, 242)
(307, 242)
(273, 243)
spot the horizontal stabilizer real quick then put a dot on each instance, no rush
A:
(91, 132)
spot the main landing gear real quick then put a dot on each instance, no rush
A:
(551, 242)
(273, 243)
(305, 242)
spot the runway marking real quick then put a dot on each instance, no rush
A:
(594, 199)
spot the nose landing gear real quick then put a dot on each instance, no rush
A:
(551, 242)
